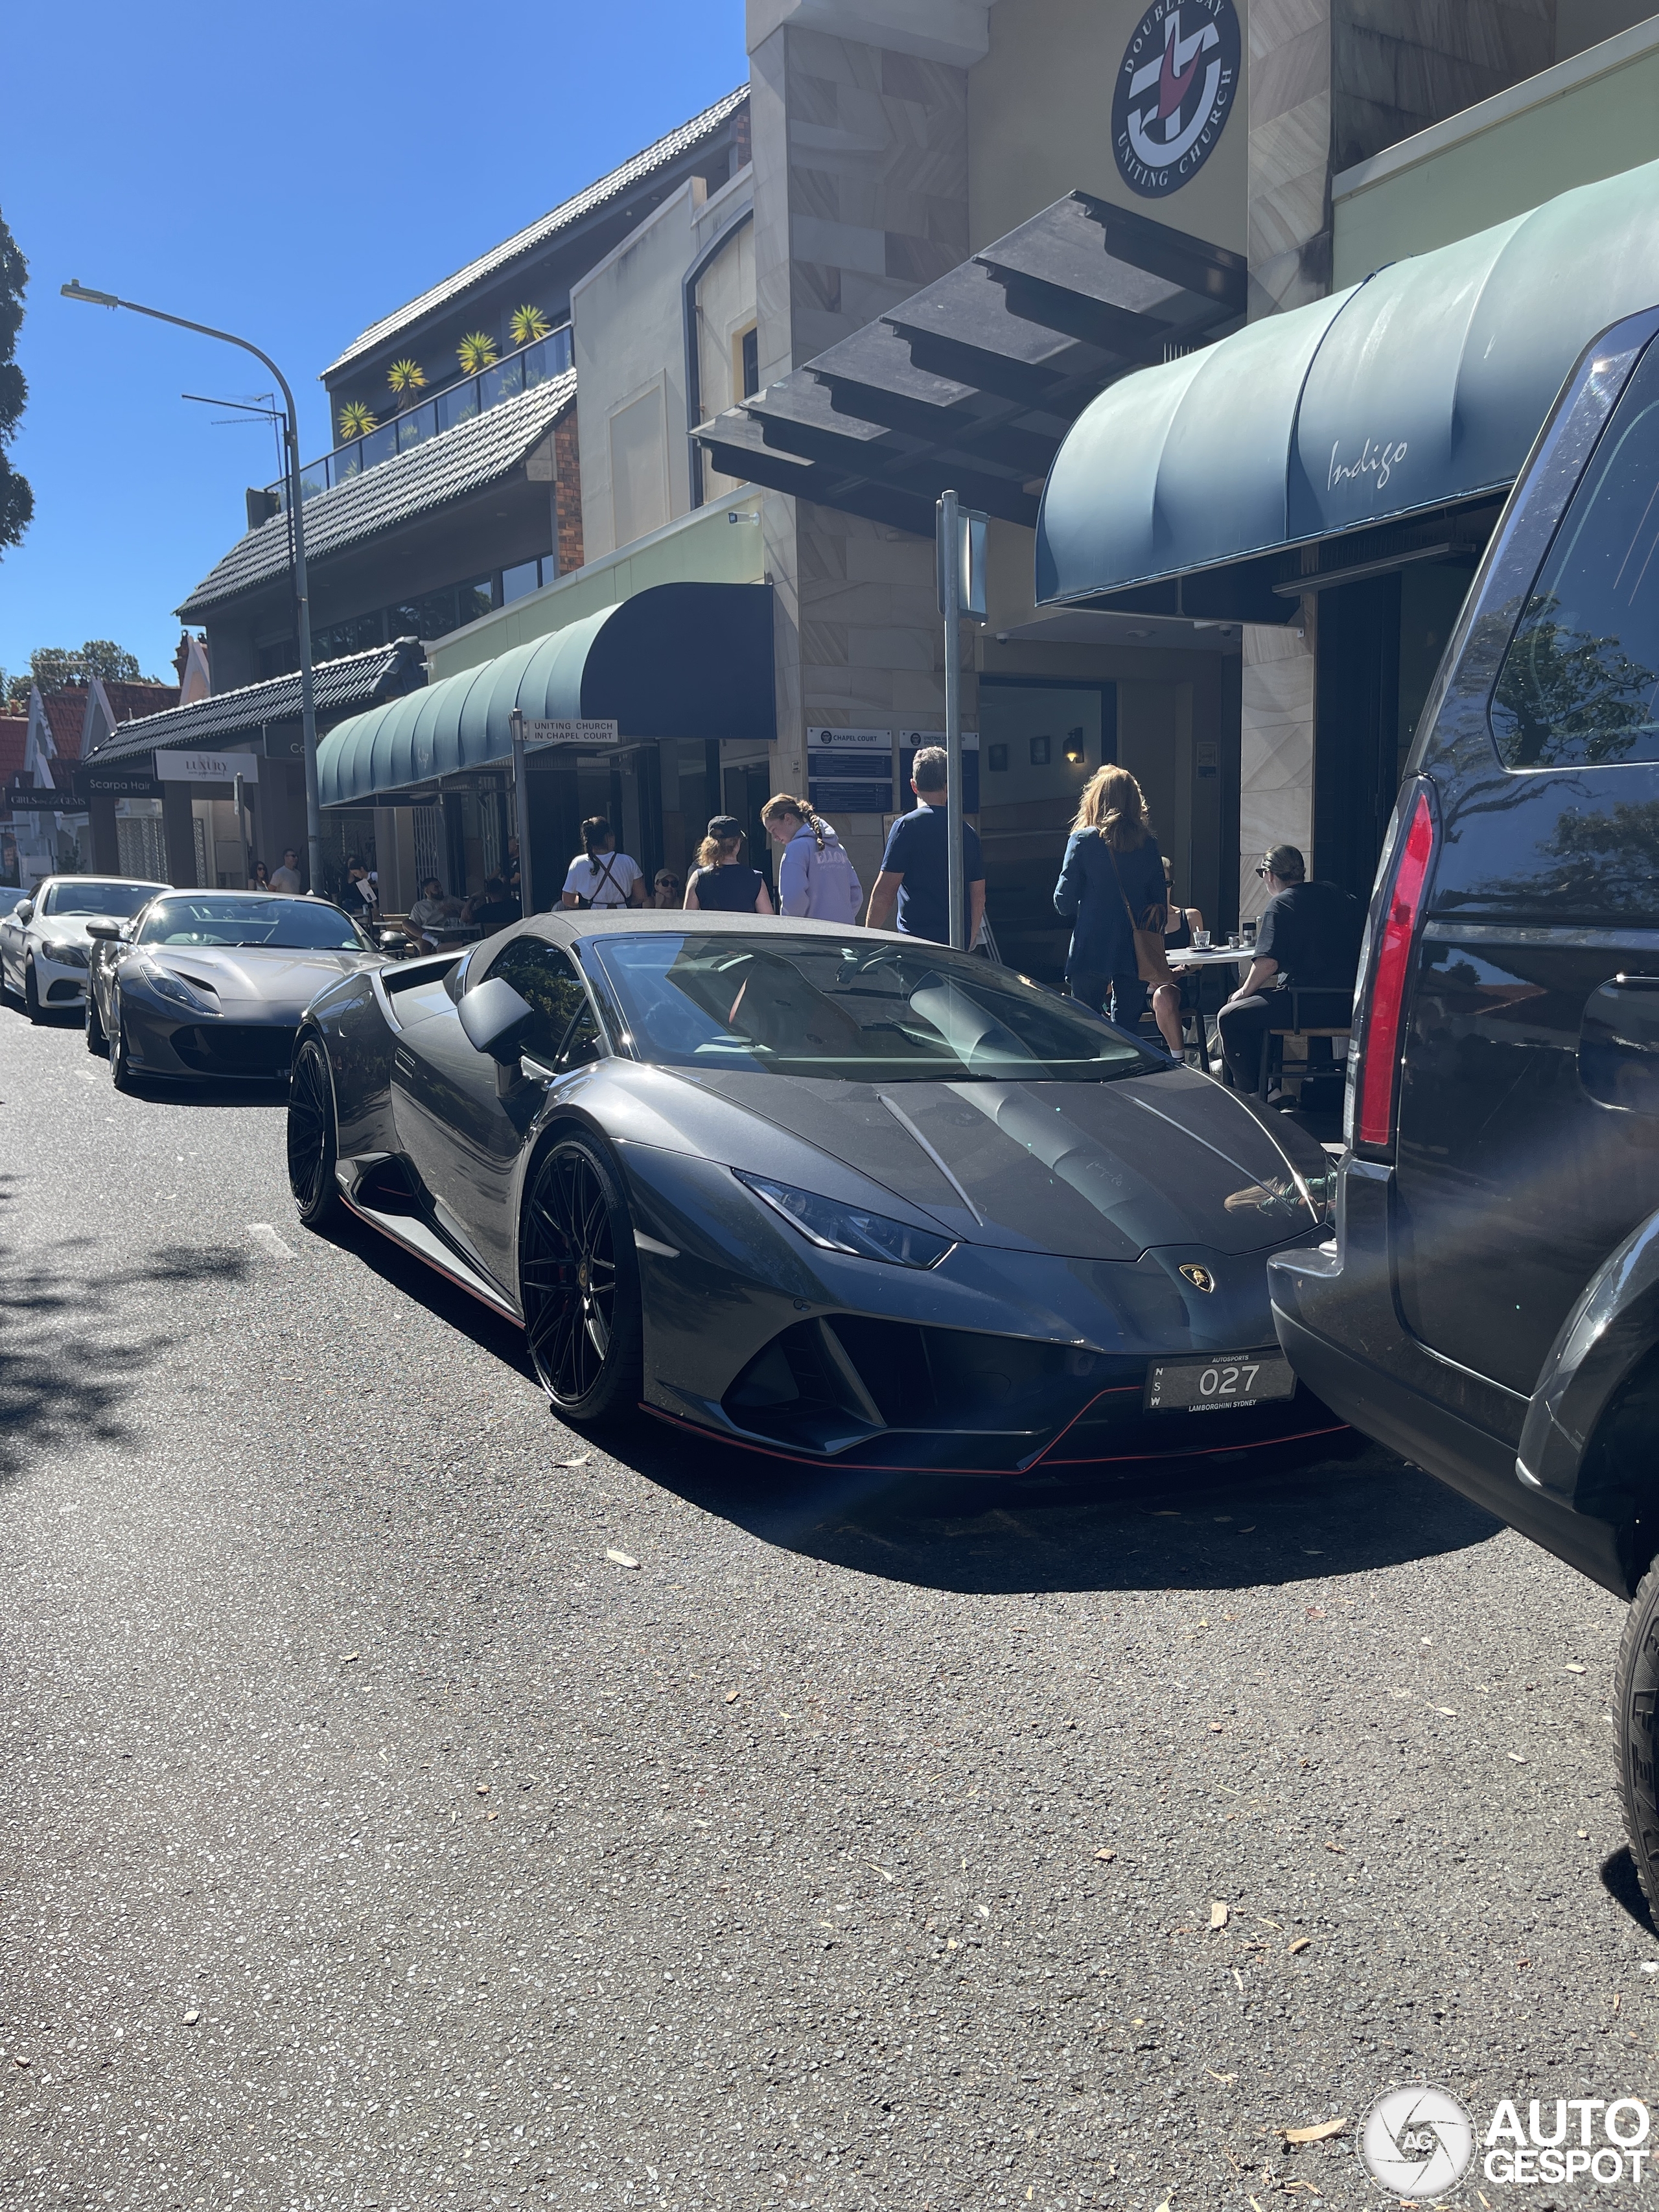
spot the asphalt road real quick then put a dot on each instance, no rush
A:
(369, 1839)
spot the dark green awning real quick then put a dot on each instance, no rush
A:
(677, 660)
(1422, 387)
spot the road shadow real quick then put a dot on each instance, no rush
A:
(1623, 1885)
(73, 1338)
(1262, 1518)
(424, 1286)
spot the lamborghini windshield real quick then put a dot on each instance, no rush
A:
(900, 1013)
(290, 924)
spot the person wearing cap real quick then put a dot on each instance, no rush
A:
(720, 883)
(1309, 935)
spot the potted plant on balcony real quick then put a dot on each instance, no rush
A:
(355, 420)
(477, 351)
(528, 324)
(406, 378)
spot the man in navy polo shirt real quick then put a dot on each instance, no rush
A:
(916, 868)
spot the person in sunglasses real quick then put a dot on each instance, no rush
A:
(666, 889)
(1309, 935)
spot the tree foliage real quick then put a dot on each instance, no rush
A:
(54, 668)
(17, 499)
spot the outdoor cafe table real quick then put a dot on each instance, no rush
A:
(1185, 958)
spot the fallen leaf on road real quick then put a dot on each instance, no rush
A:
(1519, 1757)
(1341, 1851)
(621, 1559)
(984, 1911)
(1315, 2134)
(1315, 1612)
(880, 1869)
(190, 2019)
(1276, 1925)
(483, 1790)
(1105, 1855)
(1450, 1711)
(1165, 2206)
(1300, 1944)
(492, 1815)
(582, 1462)
(1215, 1728)
(346, 1657)
(1228, 2078)
(1649, 1967)
(732, 1696)
(20, 2061)
(1239, 1979)
(1573, 1668)
(1217, 1913)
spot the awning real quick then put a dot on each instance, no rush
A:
(677, 660)
(356, 680)
(972, 382)
(1417, 392)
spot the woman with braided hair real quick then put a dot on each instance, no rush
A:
(817, 880)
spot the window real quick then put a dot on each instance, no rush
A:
(566, 1033)
(639, 467)
(517, 582)
(1579, 686)
(746, 366)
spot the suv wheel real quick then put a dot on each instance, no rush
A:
(1636, 1711)
(580, 1282)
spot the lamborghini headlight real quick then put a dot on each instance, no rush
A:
(834, 1227)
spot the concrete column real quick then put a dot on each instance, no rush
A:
(1275, 748)
(1289, 188)
(861, 198)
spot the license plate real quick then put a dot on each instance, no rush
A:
(1207, 1386)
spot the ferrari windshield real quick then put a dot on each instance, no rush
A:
(116, 899)
(288, 925)
(898, 1012)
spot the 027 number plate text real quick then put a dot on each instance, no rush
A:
(1206, 1386)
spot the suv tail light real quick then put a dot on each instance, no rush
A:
(1386, 978)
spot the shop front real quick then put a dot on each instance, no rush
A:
(682, 671)
(1328, 478)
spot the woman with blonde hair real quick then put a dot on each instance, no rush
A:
(720, 883)
(815, 876)
(1111, 883)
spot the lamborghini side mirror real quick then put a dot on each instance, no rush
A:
(496, 1019)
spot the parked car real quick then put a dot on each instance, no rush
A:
(822, 1193)
(44, 939)
(209, 986)
(1489, 1304)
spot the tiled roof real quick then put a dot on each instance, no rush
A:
(13, 739)
(339, 687)
(474, 453)
(66, 715)
(685, 140)
(127, 700)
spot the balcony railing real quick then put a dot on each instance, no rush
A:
(457, 403)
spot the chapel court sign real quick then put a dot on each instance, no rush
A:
(1176, 88)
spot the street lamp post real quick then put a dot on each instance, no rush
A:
(75, 290)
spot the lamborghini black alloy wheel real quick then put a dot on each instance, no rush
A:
(311, 1139)
(581, 1284)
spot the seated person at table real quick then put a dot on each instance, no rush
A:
(433, 917)
(1171, 1001)
(1309, 936)
(491, 908)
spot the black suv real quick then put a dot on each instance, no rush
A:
(1490, 1305)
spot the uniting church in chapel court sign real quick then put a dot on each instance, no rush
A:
(1174, 90)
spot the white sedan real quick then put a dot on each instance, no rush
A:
(42, 940)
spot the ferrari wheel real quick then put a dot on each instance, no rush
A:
(96, 1041)
(313, 1145)
(31, 993)
(120, 1066)
(581, 1283)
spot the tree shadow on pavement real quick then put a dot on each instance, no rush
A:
(73, 1338)
(1256, 1521)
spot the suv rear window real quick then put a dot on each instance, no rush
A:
(1579, 686)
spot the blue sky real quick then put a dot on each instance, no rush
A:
(173, 154)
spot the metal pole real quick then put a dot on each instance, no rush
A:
(75, 290)
(950, 581)
(241, 797)
(521, 810)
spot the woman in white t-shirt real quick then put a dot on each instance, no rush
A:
(600, 875)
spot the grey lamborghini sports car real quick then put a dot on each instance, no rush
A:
(204, 986)
(821, 1192)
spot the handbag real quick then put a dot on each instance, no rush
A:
(1151, 961)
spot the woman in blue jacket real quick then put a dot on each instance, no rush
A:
(1112, 869)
